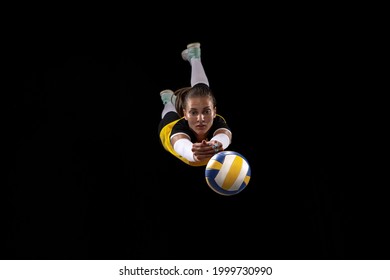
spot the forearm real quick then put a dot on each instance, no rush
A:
(183, 147)
(222, 138)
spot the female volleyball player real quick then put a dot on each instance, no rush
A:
(190, 127)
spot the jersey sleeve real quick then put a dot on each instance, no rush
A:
(220, 122)
(181, 127)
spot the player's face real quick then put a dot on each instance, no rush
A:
(200, 113)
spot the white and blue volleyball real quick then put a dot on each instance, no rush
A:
(228, 173)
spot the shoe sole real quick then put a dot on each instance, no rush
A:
(193, 45)
(166, 90)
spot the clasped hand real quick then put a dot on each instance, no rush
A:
(206, 149)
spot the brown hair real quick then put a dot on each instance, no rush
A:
(198, 90)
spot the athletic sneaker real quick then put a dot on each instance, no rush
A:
(167, 95)
(192, 51)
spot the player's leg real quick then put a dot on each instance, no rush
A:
(192, 55)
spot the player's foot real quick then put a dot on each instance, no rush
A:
(167, 95)
(192, 51)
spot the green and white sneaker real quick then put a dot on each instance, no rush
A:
(167, 95)
(192, 51)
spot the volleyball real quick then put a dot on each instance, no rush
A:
(227, 173)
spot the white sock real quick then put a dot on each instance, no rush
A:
(198, 75)
(168, 107)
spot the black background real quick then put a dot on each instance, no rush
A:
(88, 178)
